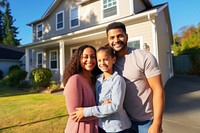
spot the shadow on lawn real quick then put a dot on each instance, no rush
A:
(11, 91)
(25, 124)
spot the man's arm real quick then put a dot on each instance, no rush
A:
(158, 103)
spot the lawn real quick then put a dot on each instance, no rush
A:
(25, 112)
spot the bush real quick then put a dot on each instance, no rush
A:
(14, 78)
(14, 67)
(1, 74)
(41, 77)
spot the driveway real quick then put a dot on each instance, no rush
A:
(182, 105)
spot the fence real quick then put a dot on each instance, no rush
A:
(187, 64)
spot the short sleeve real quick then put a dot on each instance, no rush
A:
(151, 67)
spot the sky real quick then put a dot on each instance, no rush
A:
(182, 13)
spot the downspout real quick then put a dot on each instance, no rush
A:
(154, 37)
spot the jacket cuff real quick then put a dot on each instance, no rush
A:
(87, 112)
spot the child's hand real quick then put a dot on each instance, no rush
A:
(78, 114)
(107, 102)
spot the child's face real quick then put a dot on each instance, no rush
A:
(105, 61)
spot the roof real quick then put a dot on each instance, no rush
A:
(11, 52)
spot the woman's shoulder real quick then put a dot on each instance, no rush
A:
(75, 77)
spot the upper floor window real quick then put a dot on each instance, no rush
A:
(60, 20)
(39, 60)
(109, 8)
(53, 59)
(39, 31)
(74, 17)
(135, 42)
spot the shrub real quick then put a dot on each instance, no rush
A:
(1, 74)
(16, 76)
(13, 67)
(41, 77)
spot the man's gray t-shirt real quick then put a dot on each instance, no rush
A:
(136, 66)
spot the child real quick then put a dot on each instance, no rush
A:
(109, 87)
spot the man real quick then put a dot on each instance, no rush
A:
(144, 100)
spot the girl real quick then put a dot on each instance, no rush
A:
(109, 86)
(78, 79)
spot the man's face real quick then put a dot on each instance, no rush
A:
(117, 39)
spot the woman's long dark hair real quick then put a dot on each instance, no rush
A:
(74, 66)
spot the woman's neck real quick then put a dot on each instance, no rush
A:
(88, 77)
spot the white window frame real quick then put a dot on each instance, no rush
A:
(140, 39)
(61, 21)
(110, 17)
(37, 30)
(50, 54)
(37, 60)
(78, 17)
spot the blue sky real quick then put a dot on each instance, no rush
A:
(182, 13)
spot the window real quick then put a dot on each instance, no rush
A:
(60, 20)
(74, 20)
(54, 59)
(39, 31)
(72, 50)
(109, 8)
(135, 42)
(39, 60)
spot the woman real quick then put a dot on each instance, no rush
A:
(109, 86)
(78, 79)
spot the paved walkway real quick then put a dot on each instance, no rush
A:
(182, 105)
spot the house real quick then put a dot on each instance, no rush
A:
(67, 25)
(11, 55)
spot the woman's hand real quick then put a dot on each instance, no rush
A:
(78, 114)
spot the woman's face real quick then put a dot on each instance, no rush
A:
(88, 59)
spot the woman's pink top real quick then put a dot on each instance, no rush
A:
(78, 93)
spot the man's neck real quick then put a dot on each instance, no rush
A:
(122, 53)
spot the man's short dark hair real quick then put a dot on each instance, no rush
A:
(116, 25)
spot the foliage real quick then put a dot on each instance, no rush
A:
(15, 77)
(187, 41)
(41, 77)
(1, 74)
(13, 67)
(8, 32)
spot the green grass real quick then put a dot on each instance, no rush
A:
(24, 112)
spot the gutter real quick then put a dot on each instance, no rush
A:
(154, 30)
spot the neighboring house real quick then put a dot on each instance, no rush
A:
(9, 56)
(65, 26)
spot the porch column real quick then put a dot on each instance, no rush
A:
(27, 63)
(62, 58)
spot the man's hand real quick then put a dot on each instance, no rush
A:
(154, 128)
(78, 114)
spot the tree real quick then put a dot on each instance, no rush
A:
(187, 41)
(10, 30)
(2, 5)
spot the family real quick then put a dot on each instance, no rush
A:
(115, 89)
